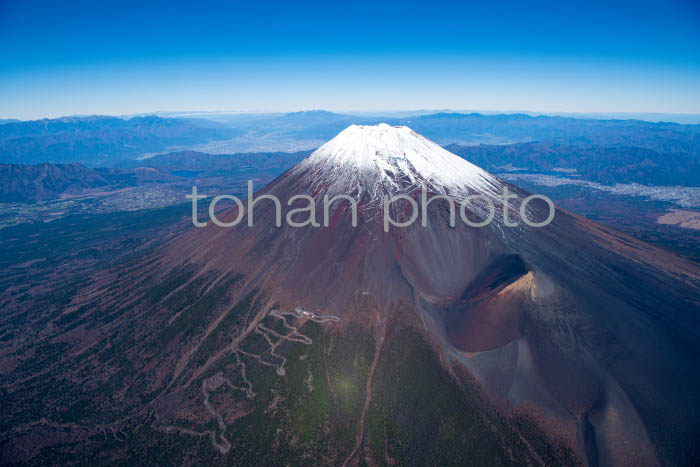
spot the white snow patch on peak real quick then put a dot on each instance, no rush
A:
(370, 157)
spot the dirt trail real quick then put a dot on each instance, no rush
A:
(216, 382)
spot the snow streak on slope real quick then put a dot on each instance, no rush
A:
(379, 159)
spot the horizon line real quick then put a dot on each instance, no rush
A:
(593, 115)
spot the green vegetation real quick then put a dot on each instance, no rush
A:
(419, 414)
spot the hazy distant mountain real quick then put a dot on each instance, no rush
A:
(100, 140)
(211, 163)
(23, 183)
(26, 183)
(305, 125)
(477, 128)
(314, 116)
(608, 151)
(603, 150)
(603, 164)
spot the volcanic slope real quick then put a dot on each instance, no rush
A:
(569, 344)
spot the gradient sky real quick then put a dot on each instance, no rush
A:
(63, 58)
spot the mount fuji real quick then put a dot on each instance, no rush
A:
(569, 344)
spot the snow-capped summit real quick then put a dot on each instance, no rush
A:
(371, 158)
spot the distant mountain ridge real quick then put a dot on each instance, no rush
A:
(602, 164)
(101, 140)
(607, 151)
(211, 163)
(662, 136)
(474, 129)
(28, 183)
(23, 183)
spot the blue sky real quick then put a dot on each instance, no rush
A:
(62, 58)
